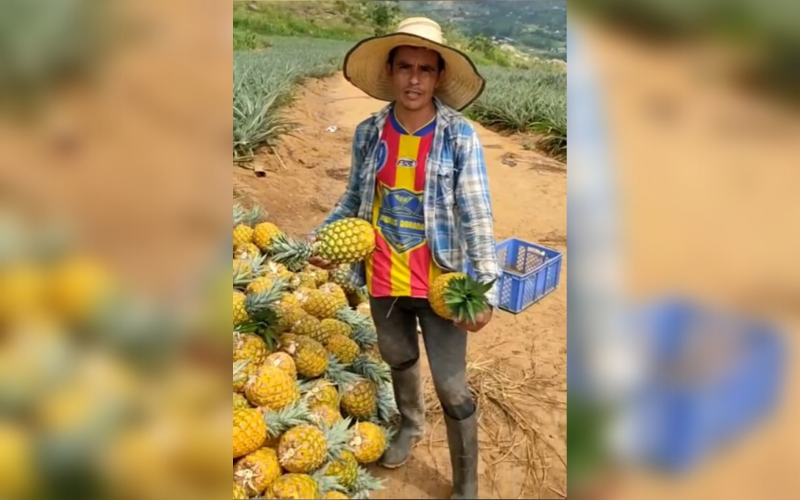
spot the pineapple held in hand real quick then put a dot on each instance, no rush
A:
(457, 297)
(342, 242)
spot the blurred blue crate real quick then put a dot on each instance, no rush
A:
(689, 418)
(529, 272)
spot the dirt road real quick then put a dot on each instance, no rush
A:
(301, 185)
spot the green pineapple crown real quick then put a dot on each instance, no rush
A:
(338, 437)
(292, 253)
(365, 484)
(371, 370)
(242, 276)
(339, 375)
(363, 329)
(261, 306)
(248, 217)
(466, 298)
(239, 370)
(387, 406)
(281, 421)
(326, 483)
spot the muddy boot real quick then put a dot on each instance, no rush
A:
(410, 402)
(462, 437)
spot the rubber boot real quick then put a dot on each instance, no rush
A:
(411, 404)
(462, 437)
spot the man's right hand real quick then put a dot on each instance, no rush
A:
(319, 261)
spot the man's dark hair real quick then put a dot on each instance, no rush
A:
(393, 53)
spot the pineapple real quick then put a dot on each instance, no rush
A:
(319, 303)
(260, 307)
(242, 370)
(335, 495)
(344, 469)
(303, 280)
(364, 484)
(279, 422)
(272, 388)
(345, 241)
(242, 235)
(368, 443)
(264, 235)
(336, 291)
(239, 492)
(457, 297)
(277, 271)
(321, 276)
(359, 399)
(306, 448)
(247, 346)
(332, 327)
(344, 348)
(246, 251)
(257, 470)
(242, 224)
(259, 285)
(320, 392)
(240, 402)
(288, 311)
(249, 431)
(284, 362)
(322, 415)
(293, 486)
(308, 326)
(341, 276)
(310, 357)
(364, 309)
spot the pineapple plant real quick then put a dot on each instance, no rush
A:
(457, 297)
(272, 388)
(249, 431)
(368, 443)
(257, 470)
(345, 241)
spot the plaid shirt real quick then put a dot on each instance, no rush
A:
(458, 210)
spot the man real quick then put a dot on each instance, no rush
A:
(418, 174)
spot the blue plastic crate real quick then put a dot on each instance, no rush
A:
(685, 421)
(529, 272)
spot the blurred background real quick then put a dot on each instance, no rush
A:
(683, 306)
(113, 125)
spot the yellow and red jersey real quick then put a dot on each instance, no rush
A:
(401, 265)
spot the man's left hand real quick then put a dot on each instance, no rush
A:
(481, 320)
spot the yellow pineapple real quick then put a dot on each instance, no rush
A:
(309, 326)
(260, 285)
(272, 388)
(249, 431)
(321, 276)
(78, 287)
(257, 470)
(239, 492)
(335, 495)
(284, 362)
(303, 449)
(364, 309)
(242, 370)
(246, 251)
(320, 303)
(345, 241)
(341, 276)
(359, 399)
(332, 327)
(240, 315)
(240, 402)
(344, 469)
(247, 346)
(344, 348)
(242, 235)
(293, 486)
(368, 443)
(289, 312)
(303, 280)
(264, 235)
(262, 306)
(456, 296)
(321, 392)
(322, 415)
(336, 291)
(310, 357)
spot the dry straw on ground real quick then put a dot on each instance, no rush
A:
(509, 430)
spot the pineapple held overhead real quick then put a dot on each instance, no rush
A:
(345, 241)
(457, 297)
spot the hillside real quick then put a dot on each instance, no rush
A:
(533, 28)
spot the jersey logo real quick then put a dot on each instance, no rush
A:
(401, 219)
(407, 163)
(383, 155)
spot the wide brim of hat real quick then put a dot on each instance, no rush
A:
(364, 67)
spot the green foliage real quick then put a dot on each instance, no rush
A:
(244, 40)
(526, 100)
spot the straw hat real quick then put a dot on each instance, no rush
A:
(364, 64)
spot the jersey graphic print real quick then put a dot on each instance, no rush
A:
(401, 265)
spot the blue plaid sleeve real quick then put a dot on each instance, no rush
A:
(349, 203)
(475, 208)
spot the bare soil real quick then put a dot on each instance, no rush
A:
(519, 369)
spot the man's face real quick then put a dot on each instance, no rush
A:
(414, 75)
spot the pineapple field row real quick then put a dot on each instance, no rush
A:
(525, 100)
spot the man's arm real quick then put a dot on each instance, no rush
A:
(350, 201)
(475, 208)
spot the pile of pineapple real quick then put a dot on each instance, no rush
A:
(312, 400)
